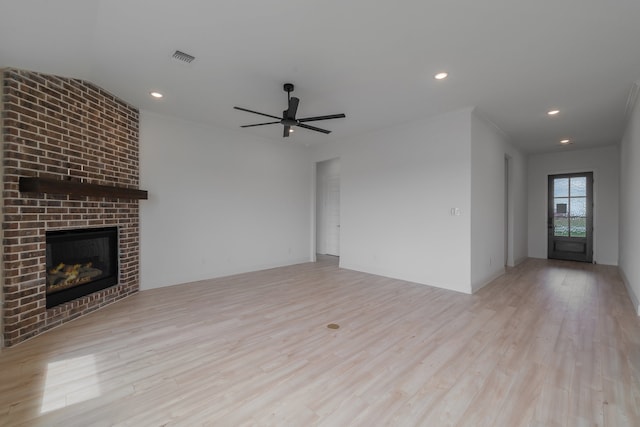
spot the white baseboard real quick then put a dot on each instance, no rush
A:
(476, 287)
(632, 296)
(519, 261)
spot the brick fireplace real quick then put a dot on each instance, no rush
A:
(69, 131)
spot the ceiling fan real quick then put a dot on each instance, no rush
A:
(289, 116)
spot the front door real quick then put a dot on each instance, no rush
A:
(570, 220)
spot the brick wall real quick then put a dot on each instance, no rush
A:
(66, 129)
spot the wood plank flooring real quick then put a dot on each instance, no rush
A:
(548, 344)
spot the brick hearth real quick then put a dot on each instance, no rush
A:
(67, 129)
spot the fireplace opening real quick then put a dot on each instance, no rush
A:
(80, 262)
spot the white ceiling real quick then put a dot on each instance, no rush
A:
(373, 60)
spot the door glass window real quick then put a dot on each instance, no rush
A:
(579, 186)
(561, 187)
(570, 207)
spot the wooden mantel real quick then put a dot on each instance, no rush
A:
(74, 188)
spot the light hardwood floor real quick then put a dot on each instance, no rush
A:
(547, 344)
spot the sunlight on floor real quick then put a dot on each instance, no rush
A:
(70, 381)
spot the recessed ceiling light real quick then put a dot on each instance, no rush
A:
(441, 76)
(156, 95)
(553, 112)
(565, 141)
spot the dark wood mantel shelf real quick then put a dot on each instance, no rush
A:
(57, 186)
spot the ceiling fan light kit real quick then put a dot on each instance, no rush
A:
(289, 119)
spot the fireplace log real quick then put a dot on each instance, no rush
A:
(57, 186)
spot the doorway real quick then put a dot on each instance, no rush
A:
(570, 217)
(328, 207)
(507, 205)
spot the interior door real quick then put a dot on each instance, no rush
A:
(333, 216)
(328, 207)
(570, 217)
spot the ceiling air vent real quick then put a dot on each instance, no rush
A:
(182, 57)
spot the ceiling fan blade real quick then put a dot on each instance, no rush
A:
(313, 128)
(260, 124)
(313, 119)
(256, 112)
(293, 108)
(287, 130)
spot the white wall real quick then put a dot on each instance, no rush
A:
(518, 207)
(489, 146)
(220, 202)
(630, 207)
(398, 186)
(604, 162)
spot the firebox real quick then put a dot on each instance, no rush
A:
(80, 262)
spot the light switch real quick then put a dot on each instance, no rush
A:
(455, 211)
